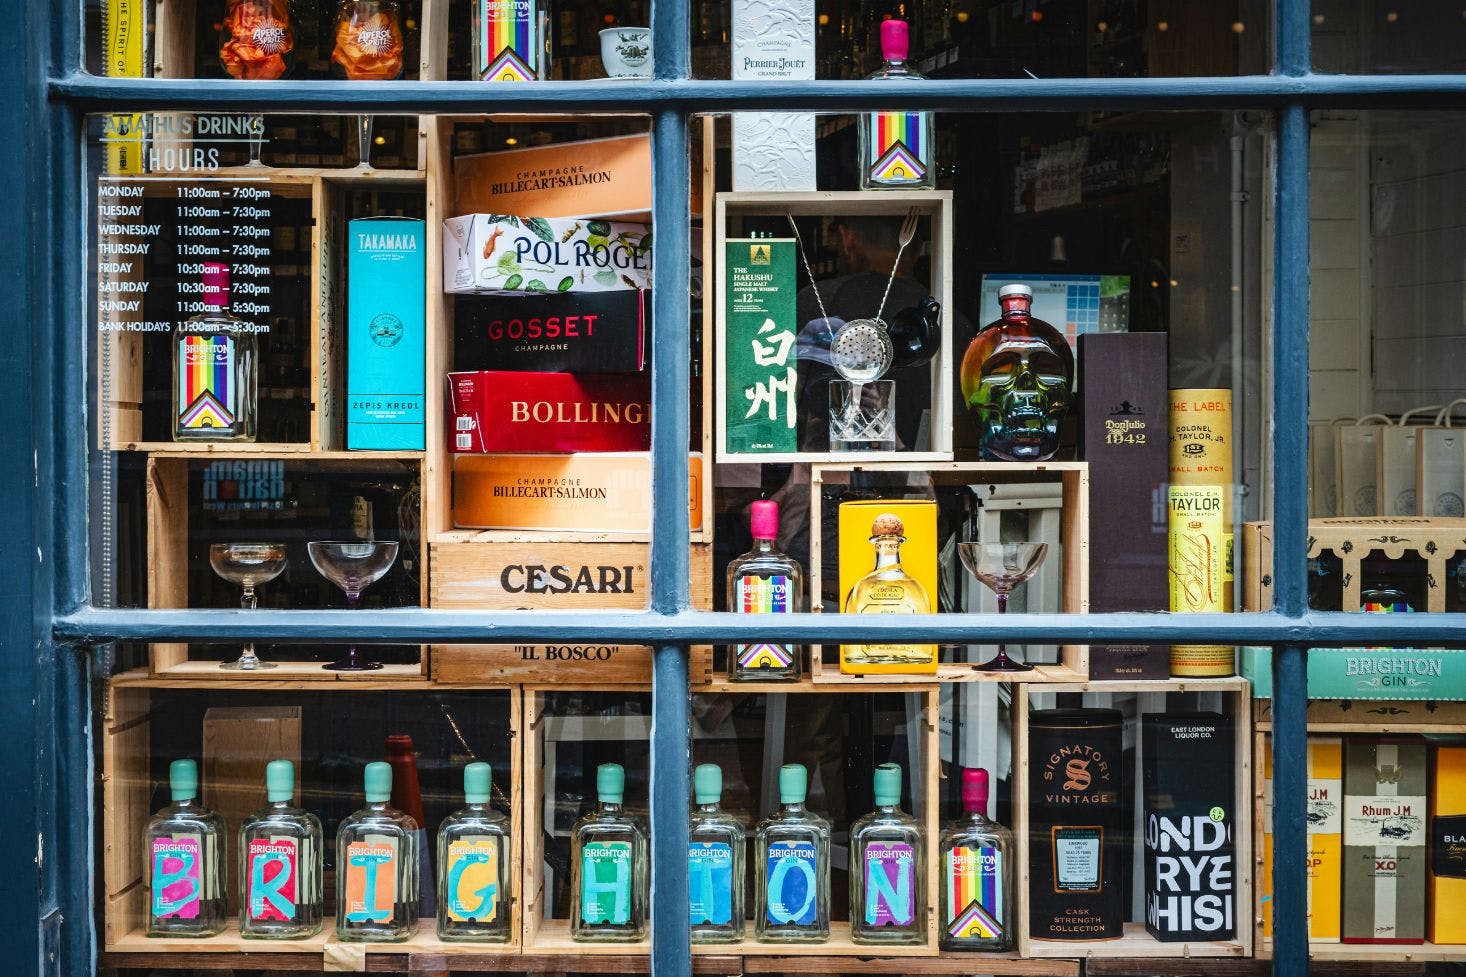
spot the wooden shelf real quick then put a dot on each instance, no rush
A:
(227, 942)
(1135, 944)
(1379, 952)
(954, 672)
(288, 451)
(300, 676)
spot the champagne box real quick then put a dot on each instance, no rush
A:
(918, 558)
(609, 492)
(386, 311)
(1447, 870)
(1325, 776)
(1126, 413)
(495, 411)
(557, 332)
(1384, 840)
(1188, 778)
(502, 254)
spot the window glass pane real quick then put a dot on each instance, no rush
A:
(1357, 37)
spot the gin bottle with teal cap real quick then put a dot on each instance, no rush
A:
(473, 866)
(887, 879)
(792, 862)
(184, 847)
(608, 867)
(376, 867)
(715, 843)
(281, 852)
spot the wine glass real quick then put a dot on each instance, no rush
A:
(368, 48)
(256, 41)
(353, 565)
(1001, 567)
(248, 565)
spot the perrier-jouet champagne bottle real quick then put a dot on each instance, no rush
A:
(608, 867)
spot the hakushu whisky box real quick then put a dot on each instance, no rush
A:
(386, 313)
(1384, 840)
(553, 332)
(1076, 824)
(1126, 418)
(1447, 843)
(1188, 776)
(501, 254)
(497, 411)
(1325, 860)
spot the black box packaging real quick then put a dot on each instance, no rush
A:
(553, 332)
(1126, 405)
(1188, 775)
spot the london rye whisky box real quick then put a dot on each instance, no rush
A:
(1190, 811)
(1384, 839)
(553, 332)
(386, 312)
(1126, 419)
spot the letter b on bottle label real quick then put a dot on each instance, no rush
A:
(793, 880)
(177, 877)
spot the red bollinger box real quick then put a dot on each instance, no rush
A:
(553, 332)
(503, 412)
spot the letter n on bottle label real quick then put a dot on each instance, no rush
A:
(889, 884)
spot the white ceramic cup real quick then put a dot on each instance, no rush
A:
(627, 52)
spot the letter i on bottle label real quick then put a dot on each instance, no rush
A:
(473, 880)
(605, 883)
(206, 382)
(177, 877)
(710, 883)
(889, 881)
(793, 878)
(974, 881)
(764, 595)
(272, 866)
(371, 882)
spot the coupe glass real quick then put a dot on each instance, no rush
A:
(248, 565)
(1001, 567)
(352, 565)
(368, 48)
(256, 41)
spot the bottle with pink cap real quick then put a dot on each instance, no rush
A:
(214, 365)
(896, 151)
(977, 874)
(765, 581)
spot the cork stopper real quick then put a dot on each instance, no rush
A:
(216, 284)
(279, 781)
(707, 783)
(975, 790)
(895, 40)
(610, 783)
(763, 519)
(476, 778)
(887, 785)
(377, 778)
(887, 525)
(183, 780)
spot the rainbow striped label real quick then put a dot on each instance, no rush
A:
(507, 47)
(207, 394)
(763, 595)
(898, 148)
(974, 881)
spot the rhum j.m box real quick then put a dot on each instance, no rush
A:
(385, 334)
(1384, 839)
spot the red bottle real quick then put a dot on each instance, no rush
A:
(407, 798)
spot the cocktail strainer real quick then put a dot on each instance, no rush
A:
(861, 350)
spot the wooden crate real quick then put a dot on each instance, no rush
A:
(1074, 536)
(126, 796)
(1136, 943)
(585, 665)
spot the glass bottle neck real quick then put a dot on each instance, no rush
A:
(763, 545)
(1015, 309)
(792, 807)
(608, 808)
(888, 552)
(475, 807)
(708, 808)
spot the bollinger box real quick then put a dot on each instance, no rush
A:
(607, 332)
(1126, 425)
(494, 411)
(504, 254)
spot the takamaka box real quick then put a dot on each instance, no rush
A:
(1188, 776)
(1325, 775)
(1384, 840)
(496, 411)
(609, 492)
(858, 557)
(386, 312)
(504, 254)
(1126, 419)
(1447, 876)
(555, 332)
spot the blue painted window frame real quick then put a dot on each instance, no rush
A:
(40, 62)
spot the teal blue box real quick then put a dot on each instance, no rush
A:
(386, 313)
(1368, 673)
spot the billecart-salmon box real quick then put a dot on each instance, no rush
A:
(556, 332)
(386, 312)
(1384, 839)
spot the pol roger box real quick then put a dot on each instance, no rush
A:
(1325, 838)
(507, 255)
(1384, 840)
(558, 332)
(385, 333)
(1447, 891)
(500, 411)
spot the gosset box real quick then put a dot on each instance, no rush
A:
(609, 492)
(500, 411)
(503, 254)
(561, 332)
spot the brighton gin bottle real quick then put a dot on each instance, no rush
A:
(715, 841)
(376, 867)
(888, 589)
(977, 874)
(280, 864)
(896, 147)
(184, 843)
(792, 858)
(214, 367)
(473, 866)
(887, 880)
(764, 581)
(608, 867)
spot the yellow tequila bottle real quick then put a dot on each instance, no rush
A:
(888, 589)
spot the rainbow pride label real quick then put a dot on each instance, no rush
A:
(207, 394)
(974, 881)
(763, 595)
(508, 41)
(898, 147)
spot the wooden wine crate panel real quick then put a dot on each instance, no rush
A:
(1073, 476)
(579, 665)
(1136, 943)
(1371, 716)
